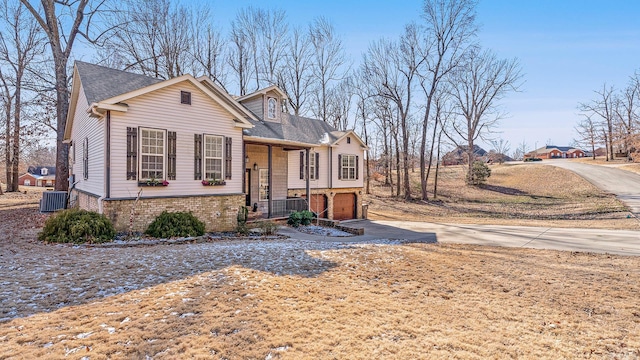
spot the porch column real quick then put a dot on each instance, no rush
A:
(307, 181)
(270, 167)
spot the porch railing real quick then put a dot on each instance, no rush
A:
(284, 207)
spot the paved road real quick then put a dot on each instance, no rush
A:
(624, 184)
(622, 242)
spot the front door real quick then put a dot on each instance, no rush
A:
(247, 187)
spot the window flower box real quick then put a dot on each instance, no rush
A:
(213, 182)
(153, 182)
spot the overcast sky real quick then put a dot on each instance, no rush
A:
(567, 49)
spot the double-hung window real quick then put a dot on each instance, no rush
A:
(312, 166)
(348, 167)
(152, 154)
(213, 157)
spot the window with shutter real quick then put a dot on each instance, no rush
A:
(197, 154)
(171, 155)
(348, 166)
(152, 154)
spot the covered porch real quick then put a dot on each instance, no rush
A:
(265, 180)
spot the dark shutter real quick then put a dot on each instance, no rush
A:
(171, 155)
(132, 153)
(85, 158)
(317, 166)
(339, 166)
(301, 165)
(357, 167)
(197, 157)
(227, 158)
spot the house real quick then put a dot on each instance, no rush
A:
(458, 156)
(42, 176)
(555, 152)
(142, 145)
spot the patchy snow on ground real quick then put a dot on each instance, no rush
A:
(323, 231)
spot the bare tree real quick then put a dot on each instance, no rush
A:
(603, 107)
(209, 53)
(625, 108)
(21, 43)
(392, 70)
(450, 25)
(295, 77)
(520, 151)
(239, 56)
(339, 104)
(63, 22)
(476, 87)
(327, 59)
(273, 30)
(500, 149)
(588, 134)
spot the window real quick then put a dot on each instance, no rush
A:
(264, 185)
(213, 156)
(313, 166)
(272, 105)
(44, 171)
(348, 170)
(348, 140)
(185, 97)
(85, 158)
(152, 151)
(27, 182)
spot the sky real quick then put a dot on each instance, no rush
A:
(566, 48)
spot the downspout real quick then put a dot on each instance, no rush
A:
(330, 167)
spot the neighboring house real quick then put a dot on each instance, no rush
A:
(42, 176)
(184, 144)
(458, 156)
(555, 152)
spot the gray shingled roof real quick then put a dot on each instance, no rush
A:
(294, 128)
(102, 83)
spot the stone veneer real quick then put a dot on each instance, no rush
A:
(218, 212)
(330, 193)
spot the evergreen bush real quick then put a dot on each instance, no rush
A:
(175, 224)
(77, 226)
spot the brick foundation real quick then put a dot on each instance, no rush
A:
(219, 213)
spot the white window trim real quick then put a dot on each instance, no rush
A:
(312, 166)
(275, 107)
(141, 154)
(343, 167)
(263, 188)
(205, 157)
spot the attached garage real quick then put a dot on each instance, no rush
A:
(344, 206)
(318, 205)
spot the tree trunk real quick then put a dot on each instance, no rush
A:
(8, 147)
(62, 155)
(398, 185)
(15, 157)
(435, 180)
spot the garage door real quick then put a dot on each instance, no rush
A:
(344, 206)
(319, 204)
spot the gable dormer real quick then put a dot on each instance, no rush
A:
(266, 104)
(44, 171)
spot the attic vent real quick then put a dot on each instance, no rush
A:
(348, 140)
(53, 200)
(185, 97)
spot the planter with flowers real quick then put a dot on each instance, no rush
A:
(153, 182)
(213, 182)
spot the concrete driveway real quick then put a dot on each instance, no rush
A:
(624, 184)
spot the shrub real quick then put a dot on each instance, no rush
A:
(175, 224)
(298, 218)
(268, 227)
(479, 173)
(77, 226)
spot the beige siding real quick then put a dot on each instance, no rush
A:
(349, 149)
(255, 106)
(162, 109)
(323, 172)
(93, 129)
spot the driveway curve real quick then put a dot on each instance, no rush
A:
(624, 184)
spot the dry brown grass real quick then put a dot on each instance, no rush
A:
(523, 194)
(28, 195)
(384, 302)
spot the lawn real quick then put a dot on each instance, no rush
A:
(522, 194)
(291, 299)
